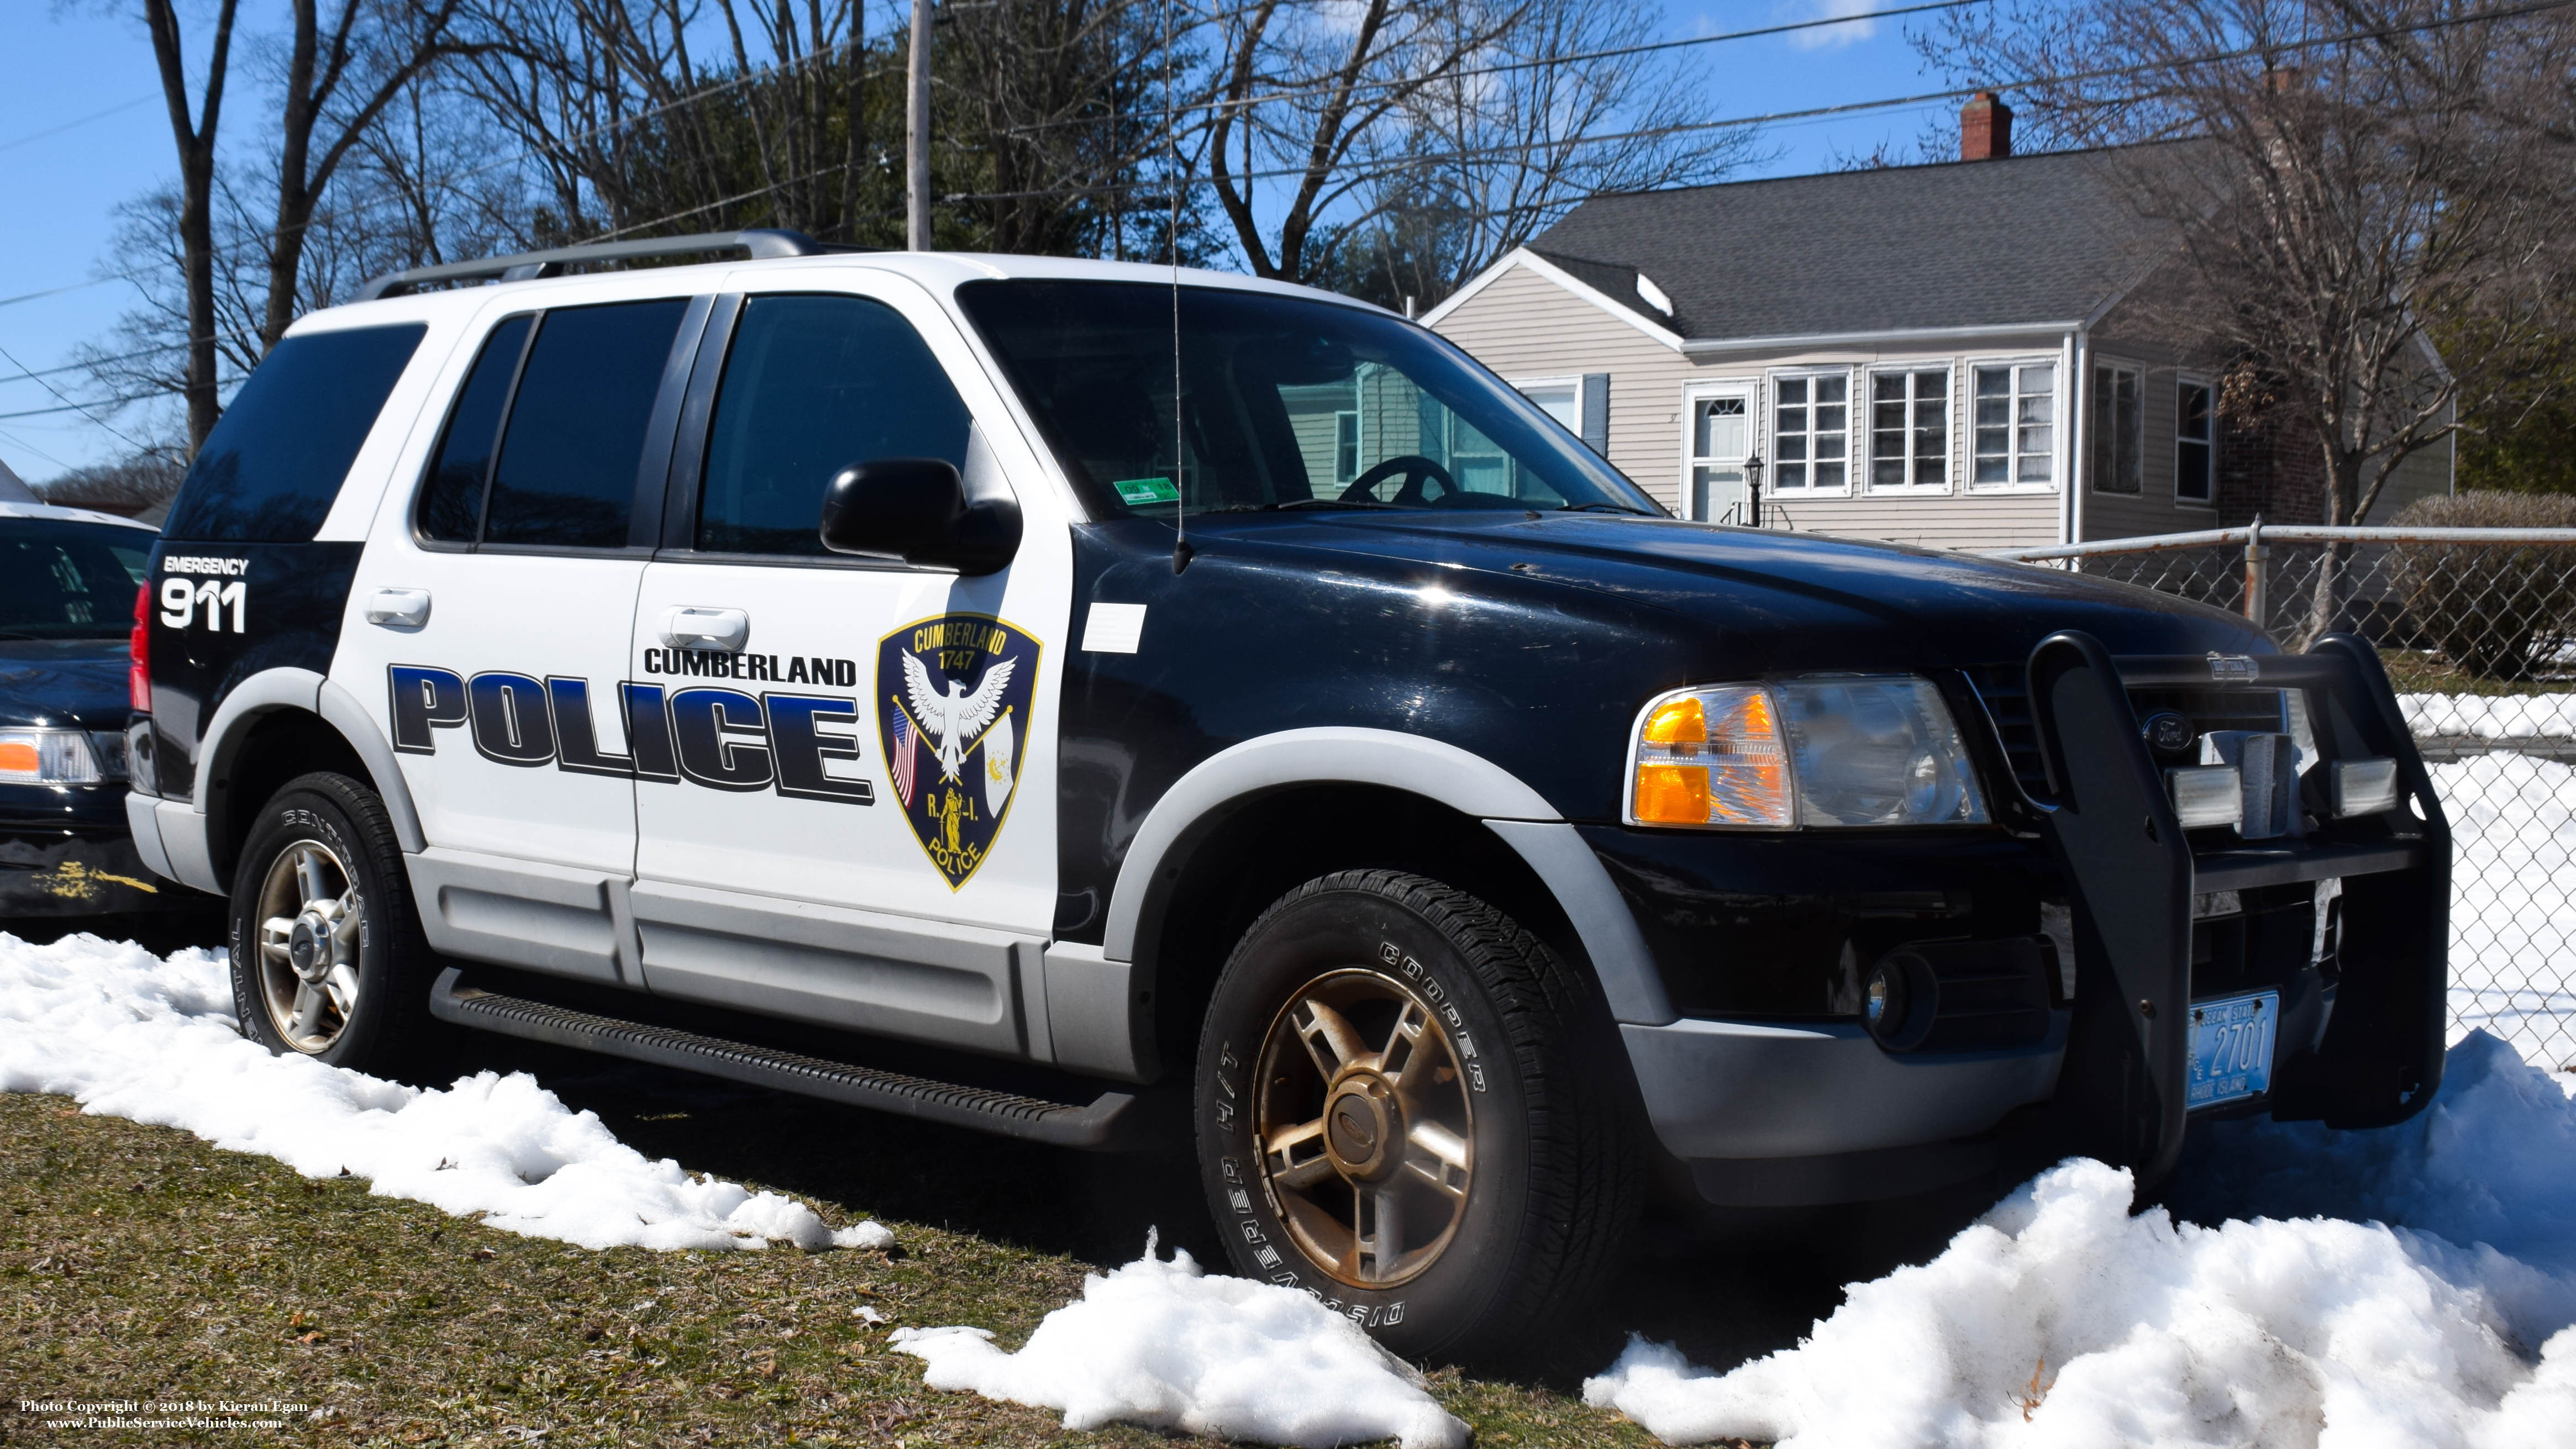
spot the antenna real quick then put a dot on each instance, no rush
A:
(1172, 252)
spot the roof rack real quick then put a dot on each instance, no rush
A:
(758, 243)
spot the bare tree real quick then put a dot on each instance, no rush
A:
(195, 136)
(336, 75)
(1307, 88)
(627, 126)
(2346, 173)
(1493, 151)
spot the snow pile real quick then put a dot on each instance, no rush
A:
(2513, 901)
(154, 1041)
(2060, 1319)
(2491, 716)
(1157, 1343)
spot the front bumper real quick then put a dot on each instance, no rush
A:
(1784, 1112)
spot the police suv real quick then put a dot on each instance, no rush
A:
(1023, 693)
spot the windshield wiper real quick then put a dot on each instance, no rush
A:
(1599, 508)
(1298, 503)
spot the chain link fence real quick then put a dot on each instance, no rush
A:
(2478, 630)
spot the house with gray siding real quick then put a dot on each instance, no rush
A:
(1962, 355)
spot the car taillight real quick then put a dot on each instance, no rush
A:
(138, 653)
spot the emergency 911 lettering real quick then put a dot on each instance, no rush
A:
(722, 739)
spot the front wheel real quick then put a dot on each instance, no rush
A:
(1403, 1110)
(327, 955)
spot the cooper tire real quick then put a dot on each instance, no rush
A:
(358, 996)
(1467, 1172)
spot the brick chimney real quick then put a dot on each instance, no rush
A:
(1985, 128)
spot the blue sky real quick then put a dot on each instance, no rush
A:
(62, 66)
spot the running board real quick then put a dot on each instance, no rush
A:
(1096, 1125)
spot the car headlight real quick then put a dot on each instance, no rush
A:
(1875, 750)
(47, 757)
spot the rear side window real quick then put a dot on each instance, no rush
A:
(813, 385)
(269, 470)
(451, 505)
(547, 434)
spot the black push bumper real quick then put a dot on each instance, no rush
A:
(2132, 874)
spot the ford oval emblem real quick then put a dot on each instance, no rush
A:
(2167, 733)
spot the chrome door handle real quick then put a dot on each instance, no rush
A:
(692, 628)
(398, 608)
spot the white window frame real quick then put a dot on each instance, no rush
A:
(2093, 435)
(1766, 431)
(1949, 371)
(2059, 439)
(2193, 379)
(1574, 380)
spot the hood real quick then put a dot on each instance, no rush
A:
(64, 681)
(1797, 601)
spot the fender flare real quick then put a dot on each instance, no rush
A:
(1469, 783)
(304, 691)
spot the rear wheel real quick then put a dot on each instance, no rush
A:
(1401, 1111)
(327, 955)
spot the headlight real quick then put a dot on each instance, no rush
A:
(46, 757)
(1879, 750)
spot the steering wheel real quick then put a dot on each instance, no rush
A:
(1417, 470)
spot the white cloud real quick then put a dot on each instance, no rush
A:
(1826, 37)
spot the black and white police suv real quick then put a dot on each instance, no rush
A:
(1021, 693)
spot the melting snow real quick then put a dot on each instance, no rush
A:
(2513, 901)
(2491, 716)
(1160, 1344)
(153, 1040)
(2060, 1319)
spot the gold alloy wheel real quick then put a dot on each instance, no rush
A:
(1367, 1134)
(308, 945)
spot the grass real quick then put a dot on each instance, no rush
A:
(138, 1263)
(2413, 671)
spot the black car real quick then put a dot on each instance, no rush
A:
(1063, 698)
(69, 582)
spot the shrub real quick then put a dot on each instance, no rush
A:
(2493, 609)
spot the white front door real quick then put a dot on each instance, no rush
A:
(1721, 438)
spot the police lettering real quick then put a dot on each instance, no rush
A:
(723, 739)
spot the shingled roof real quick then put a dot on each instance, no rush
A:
(2025, 239)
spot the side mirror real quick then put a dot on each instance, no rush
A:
(916, 510)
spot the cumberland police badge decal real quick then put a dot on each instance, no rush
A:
(953, 701)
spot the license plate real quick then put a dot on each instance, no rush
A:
(2231, 1048)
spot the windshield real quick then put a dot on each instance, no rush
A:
(1288, 403)
(65, 580)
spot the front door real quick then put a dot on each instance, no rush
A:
(1721, 439)
(853, 820)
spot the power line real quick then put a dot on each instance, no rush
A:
(43, 373)
(68, 403)
(1418, 159)
(1509, 67)
(121, 106)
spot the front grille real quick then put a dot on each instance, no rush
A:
(2005, 691)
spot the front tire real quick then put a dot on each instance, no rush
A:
(328, 960)
(1401, 1110)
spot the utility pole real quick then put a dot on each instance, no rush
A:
(916, 132)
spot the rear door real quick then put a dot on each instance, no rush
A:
(497, 608)
(857, 824)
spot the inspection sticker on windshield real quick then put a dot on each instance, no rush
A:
(2231, 1048)
(1146, 490)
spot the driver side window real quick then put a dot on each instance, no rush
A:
(813, 384)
